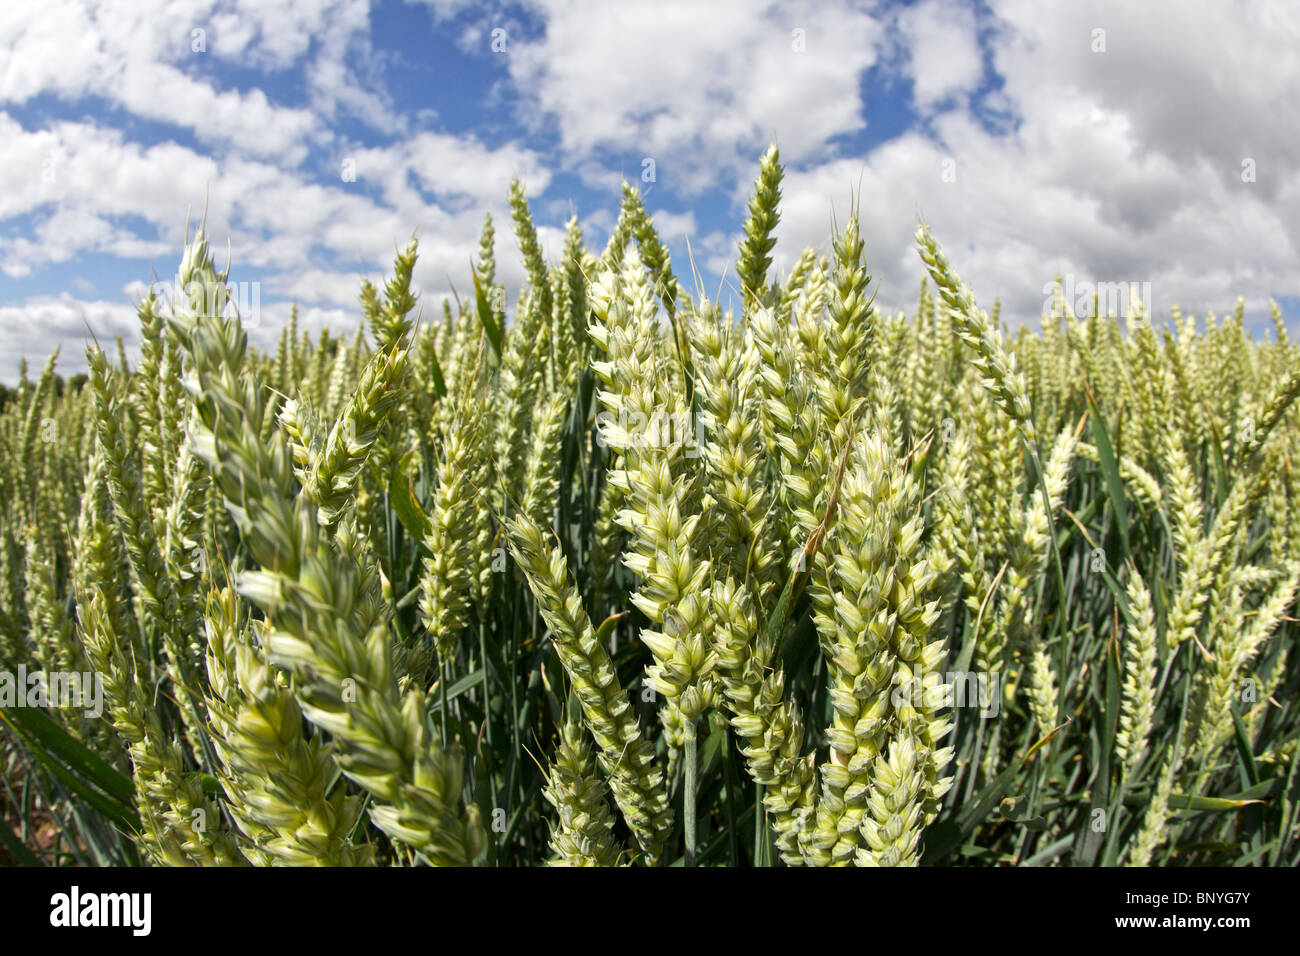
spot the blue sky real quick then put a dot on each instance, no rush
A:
(1108, 142)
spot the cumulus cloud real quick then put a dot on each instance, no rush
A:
(296, 237)
(141, 57)
(1124, 162)
(34, 328)
(1111, 142)
(941, 50)
(700, 88)
(74, 177)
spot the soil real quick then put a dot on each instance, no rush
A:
(42, 831)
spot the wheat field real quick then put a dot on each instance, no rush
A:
(610, 576)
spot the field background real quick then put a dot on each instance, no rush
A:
(513, 458)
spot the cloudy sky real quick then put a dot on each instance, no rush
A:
(1108, 142)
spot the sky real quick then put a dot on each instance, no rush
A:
(1152, 143)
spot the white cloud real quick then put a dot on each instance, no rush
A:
(699, 88)
(1123, 165)
(674, 226)
(140, 56)
(1115, 165)
(943, 56)
(451, 168)
(273, 217)
(41, 324)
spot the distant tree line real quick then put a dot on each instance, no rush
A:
(74, 383)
